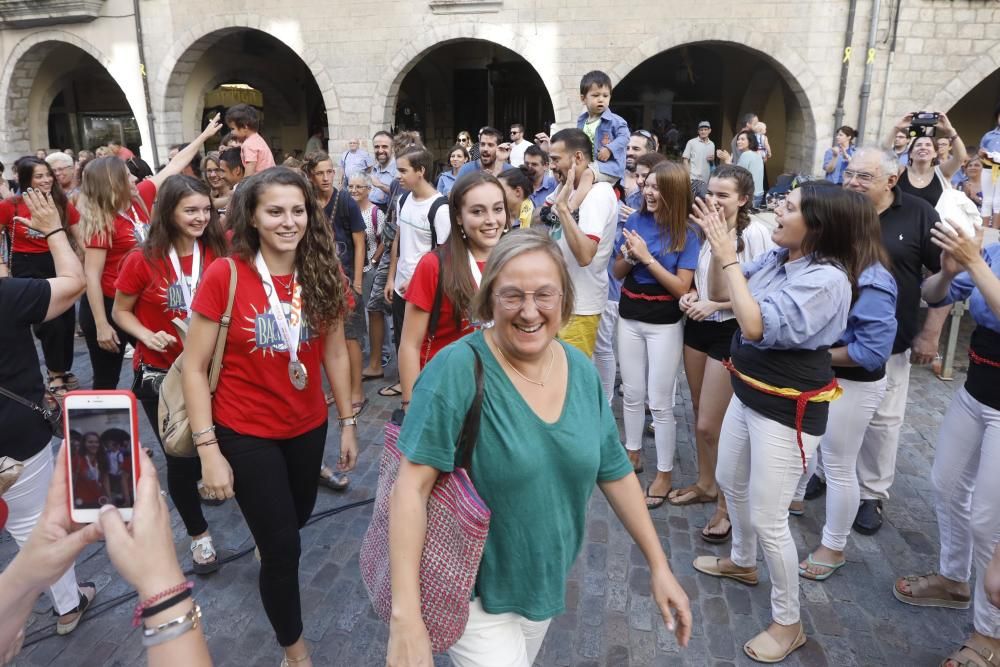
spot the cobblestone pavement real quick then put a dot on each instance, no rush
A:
(852, 619)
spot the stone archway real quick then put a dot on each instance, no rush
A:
(802, 131)
(25, 107)
(969, 78)
(179, 62)
(531, 49)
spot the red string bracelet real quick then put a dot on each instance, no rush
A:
(145, 604)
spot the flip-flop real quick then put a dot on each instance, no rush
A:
(359, 407)
(797, 511)
(390, 390)
(710, 565)
(718, 538)
(765, 648)
(657, 500)
(695, 497)
(832, 567)
(366, 378)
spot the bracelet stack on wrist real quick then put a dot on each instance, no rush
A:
(142, 610)
(172, 629)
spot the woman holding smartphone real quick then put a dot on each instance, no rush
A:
(116, 220)
(791, 305)
(478, 210)
(31, 258)
(155, 286)
(25, 302)
(260, 437)
(657, 261)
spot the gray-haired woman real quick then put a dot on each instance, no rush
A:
(359, 186)
(546, 437)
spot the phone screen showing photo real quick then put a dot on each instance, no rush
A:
(101, 465)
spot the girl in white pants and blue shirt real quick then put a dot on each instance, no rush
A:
(859, 360)
(657, 261)
(967, 456)
(791, 305)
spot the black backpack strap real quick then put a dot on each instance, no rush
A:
(438, 295)
(470, 427)
(435, 206)
(341, 212)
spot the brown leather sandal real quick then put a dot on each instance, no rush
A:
(974, 653)
(925, 593)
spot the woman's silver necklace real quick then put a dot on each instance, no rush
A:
(545, 375)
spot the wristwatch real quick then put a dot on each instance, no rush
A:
(348, 421)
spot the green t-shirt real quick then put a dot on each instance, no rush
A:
(590, 129)
(535, 477)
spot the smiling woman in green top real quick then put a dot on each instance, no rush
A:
(546, 437)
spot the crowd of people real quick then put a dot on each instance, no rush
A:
(541, 271)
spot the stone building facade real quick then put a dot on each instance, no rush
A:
(74, 69)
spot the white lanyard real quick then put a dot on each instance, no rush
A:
(290, 330)
(187, 291)
(138, 227)
(477, 275)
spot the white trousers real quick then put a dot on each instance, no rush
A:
(758, 469)
(838, 457)
(991, 193)
(604, 349)
(497, 640)
(877, 458)
(649, 356)
(965, 472)
(26, 500)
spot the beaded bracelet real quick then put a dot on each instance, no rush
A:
(137, 615)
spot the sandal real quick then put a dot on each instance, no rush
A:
(359, 407)
(923, 593)
(377, 376)
(335, 481)
(718, 538)
(797, 508)
(974, 653)
(81, 609)
(657, 500)
(765, 648)
(210, 559)
(637, 466)
(832, 567)
(710, 565)
(390, 390)
(690, 495)
(288, 662)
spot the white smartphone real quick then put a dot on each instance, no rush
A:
(103, 462)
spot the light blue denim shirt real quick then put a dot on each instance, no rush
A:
(612, 133)
(871, 324)
(991, 141)
(803, 304)
(385, 176)
(963, 288)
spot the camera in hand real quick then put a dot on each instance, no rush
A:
(922, 124)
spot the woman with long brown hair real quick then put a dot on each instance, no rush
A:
(116, 220)
(708, 332)
(154, 287)
(30, 258)
(858, 359)
(446, 279)
(657, 261)
(260, 437)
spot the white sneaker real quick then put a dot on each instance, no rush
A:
(129, 351)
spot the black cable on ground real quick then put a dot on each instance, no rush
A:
(47, 632)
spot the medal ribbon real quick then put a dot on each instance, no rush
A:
(139, 228)
(477, 275)
(291, 327)
(187, 290)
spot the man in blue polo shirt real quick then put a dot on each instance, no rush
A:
(536, 163)
(383, 171)
(489, 139)
(355, 159)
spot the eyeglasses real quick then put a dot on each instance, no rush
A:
(512, 298)
(862, 176)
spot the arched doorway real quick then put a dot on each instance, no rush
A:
(973, 115)
(467, 84)
(60, 96)
(245, 65)
(671, 92)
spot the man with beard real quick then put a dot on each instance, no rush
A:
(489, 140)
(639, 143)
(383, 171)
(536, 163)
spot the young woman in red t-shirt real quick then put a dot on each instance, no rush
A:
(155, 286)
(478, 209)
(116, 220)
(260, 437)
(30, 258)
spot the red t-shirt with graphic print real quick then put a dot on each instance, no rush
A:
(255, 396)
(25, 239)
(160, 300)
(123, 236)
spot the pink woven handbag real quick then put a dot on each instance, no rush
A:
(457, 524)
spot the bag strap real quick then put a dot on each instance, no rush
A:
(435, 206)
(432, 324)
(25, 402)
(220, 342)
(470, 427)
